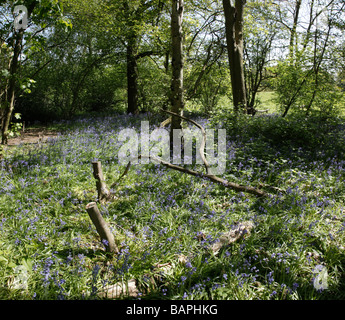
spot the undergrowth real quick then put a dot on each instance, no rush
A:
(49, 248)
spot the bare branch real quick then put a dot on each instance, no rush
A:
(123, 174)
(165, 122)
(213, 178)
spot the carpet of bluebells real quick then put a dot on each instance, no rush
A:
(49, 248)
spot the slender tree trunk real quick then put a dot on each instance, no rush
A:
(9, 107)
(132, 78)
(293, 33)
(167, 103)
(3, 87)
(317, 65)
(234, 37)
(166, 62)
(177, 100)
(3, 102)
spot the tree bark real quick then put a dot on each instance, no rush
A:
(3, 86)
(177, 99)
(234, 37)
(132, 79)
(102, 228)
(102, 189)
(10, 100)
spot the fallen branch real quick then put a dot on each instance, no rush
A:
(275, 189)
(165, 122)
(120, 290)
(240, 231)
(225, 183)
(213, 178)
(162, 271)
(102, 228)
(124, 173)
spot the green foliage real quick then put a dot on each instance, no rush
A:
(293, 132)
(154, 86)
(25, 85)
(288, 81)
(261, 30)
(15, 127)
(49, 248)
(296, 87)
(215, 84)
(74, 76)
(104, 90)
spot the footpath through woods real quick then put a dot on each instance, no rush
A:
(32, 135)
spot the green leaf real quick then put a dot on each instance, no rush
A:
(5, 73)
(27, 263)
(3, 259)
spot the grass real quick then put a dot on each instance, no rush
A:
(266, 99)
(50, 250)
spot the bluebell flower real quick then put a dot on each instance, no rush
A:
(320, 279)
(273, 293)
(270, 278)
(95, 270)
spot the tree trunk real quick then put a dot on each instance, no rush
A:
(177, 103)
(4, 85)
(9, 107)
(132, 79)
(293, 33)
(234, 37)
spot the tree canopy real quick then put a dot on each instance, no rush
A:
(81, 56)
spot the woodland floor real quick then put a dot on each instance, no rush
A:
(32, 136)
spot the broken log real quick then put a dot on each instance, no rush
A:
(102, 189)
(102, 228)
(243, 229)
